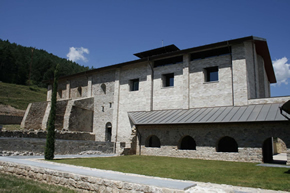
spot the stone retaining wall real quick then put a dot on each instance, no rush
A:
(62, 147)
(42, 134)
(75, 181)
(7, 119)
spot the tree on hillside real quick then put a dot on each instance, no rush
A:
(15, 62)
(50, 137)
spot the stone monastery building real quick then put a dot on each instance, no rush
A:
(207, 102)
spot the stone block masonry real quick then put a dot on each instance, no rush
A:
(62, 147)
(7, 119)
(42, 134)
(207, 136)
(77, 181)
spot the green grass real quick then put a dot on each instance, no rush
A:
(19, 96)
(221, 172)
(10, 183)
(12, 127)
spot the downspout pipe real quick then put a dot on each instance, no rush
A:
(139, 139)
(152, 82)
(117, 114)
(233, 93)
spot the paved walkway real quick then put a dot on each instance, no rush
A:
(187, 186)
(111, 175)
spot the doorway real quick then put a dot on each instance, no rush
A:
(274, 151)
(108, 134)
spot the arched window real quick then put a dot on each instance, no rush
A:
(227, 144)
(103, 86)
(79, 91)
(108, 132)
(187, 142)
(152, 141)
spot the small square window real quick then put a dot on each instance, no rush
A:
(168, 80)
(134, 85)
(211, 74)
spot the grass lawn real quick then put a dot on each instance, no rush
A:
(10, 183)
(221, 172)
(12, 127)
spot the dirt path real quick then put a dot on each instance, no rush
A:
(8, 110)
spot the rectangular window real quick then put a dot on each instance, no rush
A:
(168, 80)
(211, 74)
(134, 85)
(210, 53)
(168, 61)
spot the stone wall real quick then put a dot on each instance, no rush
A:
(249, 137)
(34, 115)
(42, 134)
(170, 97)
(269, 100)
(81, 115)
(211, 94)
(60, 112)
(79, 87)
(76, 181)
(103, 87)
(62, 147)
(138, 100)
(7, 119)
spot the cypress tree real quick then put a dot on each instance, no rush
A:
(50, 137)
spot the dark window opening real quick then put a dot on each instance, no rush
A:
(108, 132)
(211, 74)
(152, 141)
(227, 144)
(110, 105)
(103, 86)
(168, 80)
(187, 143)
(59, 93)
(79, 91)
(168, 61)
(134, 85)
(210, 53)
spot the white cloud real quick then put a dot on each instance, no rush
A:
(76, 54)
(282, 71)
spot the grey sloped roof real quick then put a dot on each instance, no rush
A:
(250, 113)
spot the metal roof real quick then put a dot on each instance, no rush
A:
(250, 113)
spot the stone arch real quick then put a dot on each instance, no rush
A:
(104, 88)
(227, 144)
(274, 150)
(108, 132)
(152, 141)
(187, 143)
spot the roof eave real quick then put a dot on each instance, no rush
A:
(262, 50)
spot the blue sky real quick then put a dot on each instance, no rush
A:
(100, 33)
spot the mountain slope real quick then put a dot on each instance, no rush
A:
(30, 66)
(19, 96)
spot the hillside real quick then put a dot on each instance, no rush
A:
(31, 66)
(19, 96)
